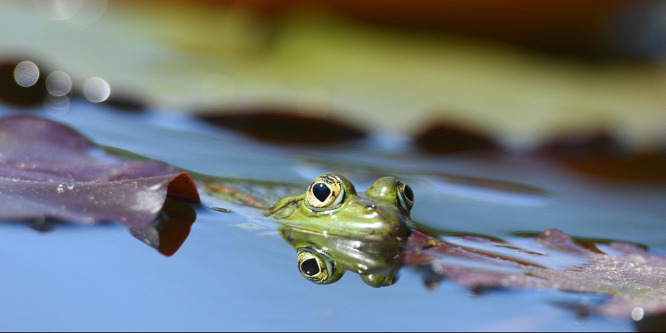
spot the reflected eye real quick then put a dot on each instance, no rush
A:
(317, 267)
(325, 192)
(405, 196)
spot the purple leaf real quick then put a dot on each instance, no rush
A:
(634, 278)
(50, 171)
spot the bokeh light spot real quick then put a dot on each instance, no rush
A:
(637, 313)
(90, 11)
(26, 73)
(96, 90)
(59, 9)
(58, 83)
(72, 11)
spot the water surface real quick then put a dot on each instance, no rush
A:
(227, 276)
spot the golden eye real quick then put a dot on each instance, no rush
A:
(405, 195)
(317, 267)
(326, 191)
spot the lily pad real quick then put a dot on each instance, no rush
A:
(632, 277)
(50, 171)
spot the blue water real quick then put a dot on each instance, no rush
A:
(225, 277)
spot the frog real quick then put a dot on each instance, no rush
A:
(332, 206)
(334, 228)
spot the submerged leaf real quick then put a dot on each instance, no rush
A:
(50, 171)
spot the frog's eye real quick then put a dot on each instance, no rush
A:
(326, 191)
(317, 267)
(405, 196)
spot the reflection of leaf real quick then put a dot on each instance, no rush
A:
(633, 277)
(48, 170)
(170, 230)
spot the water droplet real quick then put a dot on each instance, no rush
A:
(61, 188)
(70, 187)
(154, 187)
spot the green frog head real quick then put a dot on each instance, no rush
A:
(334, 229)
(332, 206)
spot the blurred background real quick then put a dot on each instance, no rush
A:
(454, 75)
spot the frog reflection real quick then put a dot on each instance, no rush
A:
(324, 259)
(334, 228)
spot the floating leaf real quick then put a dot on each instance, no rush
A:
(50, 171)
(634, 278)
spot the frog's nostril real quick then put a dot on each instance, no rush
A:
(371, 207)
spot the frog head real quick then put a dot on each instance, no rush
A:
(334, 228)
(332, 206)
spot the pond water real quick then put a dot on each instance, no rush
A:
(228, 276)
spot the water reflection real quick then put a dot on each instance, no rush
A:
(323, 259)
(628, 274)
(166, 234)
(56, 105)
(170, 230)
(332, 232)
(59, 86)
